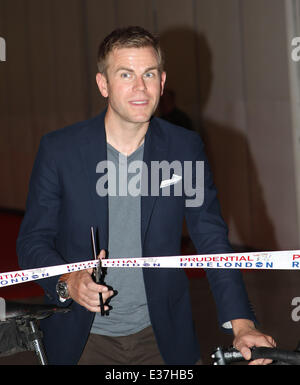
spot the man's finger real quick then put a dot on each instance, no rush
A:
(246, 352)
(261, 361)
(102, 254)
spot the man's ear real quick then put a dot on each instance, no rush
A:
(163, 78)
(102, 84)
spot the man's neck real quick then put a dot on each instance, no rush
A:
(126, 138)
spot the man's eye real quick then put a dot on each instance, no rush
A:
(149, 75)
(125, 75)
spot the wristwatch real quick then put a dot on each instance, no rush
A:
(62, 291)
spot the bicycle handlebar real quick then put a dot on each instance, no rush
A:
(280, 357)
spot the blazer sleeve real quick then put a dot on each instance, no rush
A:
(209, 234)
(39, 228)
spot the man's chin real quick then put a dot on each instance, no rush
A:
(141, 118)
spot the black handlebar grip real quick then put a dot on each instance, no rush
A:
(285, 356)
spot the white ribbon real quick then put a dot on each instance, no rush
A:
(270, 260)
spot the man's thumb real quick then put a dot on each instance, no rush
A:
(246, 352)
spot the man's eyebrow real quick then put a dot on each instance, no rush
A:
(124, 69)
(131, 70)
(152, 68)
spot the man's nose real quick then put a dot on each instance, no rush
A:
(140, 83)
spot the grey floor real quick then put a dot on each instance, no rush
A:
(271, 293)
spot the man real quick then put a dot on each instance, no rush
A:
(150, 319)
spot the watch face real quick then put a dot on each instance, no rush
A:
(62, 289)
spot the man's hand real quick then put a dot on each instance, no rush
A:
(85, 291)
(246, 336)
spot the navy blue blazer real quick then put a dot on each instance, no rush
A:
(62, 206)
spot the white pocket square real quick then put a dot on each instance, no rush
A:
(175, 178)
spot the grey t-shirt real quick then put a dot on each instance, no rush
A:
(130, 311)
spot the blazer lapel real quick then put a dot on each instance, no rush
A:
(93, 150)
(155, 149)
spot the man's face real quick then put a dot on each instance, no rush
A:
(133, 84)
